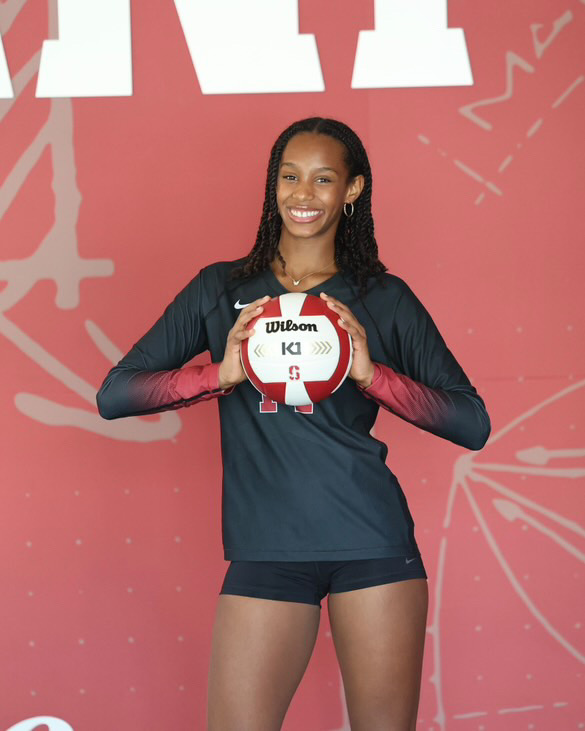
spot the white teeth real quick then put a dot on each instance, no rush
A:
(304, 214)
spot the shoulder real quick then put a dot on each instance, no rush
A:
(387, 288)
(204, 288)
(212, 278)
(393, 283)
(391, 301)
(220, 270)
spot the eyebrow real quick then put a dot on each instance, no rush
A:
(316, 170)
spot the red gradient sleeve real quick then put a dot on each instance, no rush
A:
(150, 377)
(426, 386)
(147, 392)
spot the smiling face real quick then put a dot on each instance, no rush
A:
(313, 185)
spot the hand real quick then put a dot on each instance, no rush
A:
(230, 370)
(362, 367)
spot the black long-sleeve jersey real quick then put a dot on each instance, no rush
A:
(307, 483)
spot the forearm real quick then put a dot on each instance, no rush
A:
(129, 391)
(457, 414)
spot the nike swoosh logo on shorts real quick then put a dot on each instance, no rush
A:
(410, 560)
(239, 306)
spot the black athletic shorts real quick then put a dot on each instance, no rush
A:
(310, 581)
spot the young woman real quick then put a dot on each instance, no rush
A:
(309, 506)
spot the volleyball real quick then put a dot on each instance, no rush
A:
(298, 355)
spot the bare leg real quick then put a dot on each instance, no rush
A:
(260, 650)
(379, 635)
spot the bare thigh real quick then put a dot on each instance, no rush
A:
(259, 652)
(379, 635)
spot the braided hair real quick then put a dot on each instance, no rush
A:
(356, 250)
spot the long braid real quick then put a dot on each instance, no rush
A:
(356, 250)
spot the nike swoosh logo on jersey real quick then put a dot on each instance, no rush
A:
(410, 560)
(239, 306)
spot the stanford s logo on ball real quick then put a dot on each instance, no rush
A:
(300, 372)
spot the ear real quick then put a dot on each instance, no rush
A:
(354, 188)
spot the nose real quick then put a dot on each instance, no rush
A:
(303, 191)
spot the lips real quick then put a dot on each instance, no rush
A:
(304, 215)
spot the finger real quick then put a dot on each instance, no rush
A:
(329, 298)
(351, 329)
(255, 303)
(333, 302)
(344, 312)
(246, 316)
(243, 334)
(339, 307)
(357, 332)
(252, 307)
(242, 331)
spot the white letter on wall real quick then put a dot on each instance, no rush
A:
(5, 83)
(251, 47)
(411, 46)
(93, 56)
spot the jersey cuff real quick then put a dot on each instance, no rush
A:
(373, 387)
(200, 381)
(213, 375)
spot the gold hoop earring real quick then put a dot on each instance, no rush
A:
(349, 215)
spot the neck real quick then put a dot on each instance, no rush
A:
(306, 257)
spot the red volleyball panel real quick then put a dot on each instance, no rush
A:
(314, 306)
(270, 309)
(275, 391)
(319, 390)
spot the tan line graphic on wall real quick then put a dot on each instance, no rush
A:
(57, 258)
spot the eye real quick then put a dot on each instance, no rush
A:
(288, 176)
(327, 180)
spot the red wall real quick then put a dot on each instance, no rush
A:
(111, 547)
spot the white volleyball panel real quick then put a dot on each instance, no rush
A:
(295, 394)
(93, 55)
(411, 46)
(315, 351)
(251, 47)
(292, 303)
(5, 83)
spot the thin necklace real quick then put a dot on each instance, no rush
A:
(296, 282)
